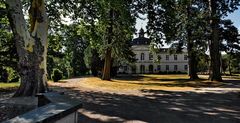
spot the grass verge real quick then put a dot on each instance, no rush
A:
(9, 85)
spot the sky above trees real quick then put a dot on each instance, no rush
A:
(235, 17)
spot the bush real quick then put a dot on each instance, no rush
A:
(4, 76)
(12, 75)
(57, 75)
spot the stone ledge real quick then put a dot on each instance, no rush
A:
(60, 106)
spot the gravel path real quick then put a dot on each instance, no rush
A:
(6, 111)
(203, 105)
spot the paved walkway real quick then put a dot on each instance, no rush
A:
(203, 105)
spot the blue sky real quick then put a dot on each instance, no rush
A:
(235, 17)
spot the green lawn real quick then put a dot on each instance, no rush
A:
(9, 85)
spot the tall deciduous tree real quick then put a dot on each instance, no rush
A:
(217, 9)
(31, 45)
(229, 42)
(180, 21)
(110, 25)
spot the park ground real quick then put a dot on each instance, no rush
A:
(152, 99)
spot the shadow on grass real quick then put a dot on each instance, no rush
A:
(153, 78)
(157, 106)
(171, 82)
(183, 84)
(132, 77)
(176, 82)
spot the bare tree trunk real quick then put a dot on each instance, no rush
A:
(31, 46)
(215, 73)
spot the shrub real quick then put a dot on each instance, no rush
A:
(4, 76)
(13, 75)
(57, 75)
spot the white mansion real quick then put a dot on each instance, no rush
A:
(146, 62)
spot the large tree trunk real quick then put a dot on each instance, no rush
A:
(107, 66)
(192, 63)
(215, 72)
(31, 46)
(229, 65)
(107, 63)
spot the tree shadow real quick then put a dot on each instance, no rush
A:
(176, 82)
(157, 106)
(231, 83)
(132, 77)
(182, 84)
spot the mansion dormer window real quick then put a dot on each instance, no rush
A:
(142, 56)
(150, 56)
(175, 57)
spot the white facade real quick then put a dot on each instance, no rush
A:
(148, 62)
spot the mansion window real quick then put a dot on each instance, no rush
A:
(142, 69)
(175, 57)
(159, 57)
(167, 67)
(185, 57)
(142, 56)
(175, 67)
(150, 56)
(159, 67)
(185, 67)
(125, 68)
(167, 57)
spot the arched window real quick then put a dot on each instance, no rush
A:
(142, 56)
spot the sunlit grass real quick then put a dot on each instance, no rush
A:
(155, 82)
(9, 85)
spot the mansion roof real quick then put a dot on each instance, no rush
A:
(141, 40)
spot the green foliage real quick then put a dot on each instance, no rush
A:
(76, 45)
(98, 19)
(93, 61)
(8, 52)
(7, 74)
(230, 63)
(4, 75)
(229, 37)
(12, 75)
(57, 75)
